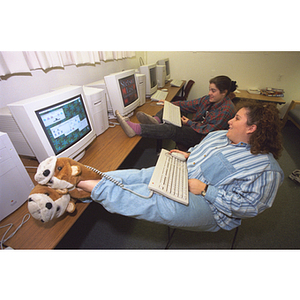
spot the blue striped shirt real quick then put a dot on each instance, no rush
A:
(240, 184)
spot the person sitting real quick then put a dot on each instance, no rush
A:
(210, 113)
(233, 174)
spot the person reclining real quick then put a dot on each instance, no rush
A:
(233, 174)
(211, 112)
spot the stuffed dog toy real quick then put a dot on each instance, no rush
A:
(64, 173)
(57, 179)
(45, 203)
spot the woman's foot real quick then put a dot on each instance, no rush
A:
(131, 129)
(146, 119)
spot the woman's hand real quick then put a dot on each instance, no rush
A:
(186, 155)
(196, 186)
(184, 120)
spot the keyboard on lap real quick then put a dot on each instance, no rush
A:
(170, 178)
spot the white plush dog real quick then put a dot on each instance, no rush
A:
(45, 203)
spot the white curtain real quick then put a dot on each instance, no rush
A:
(16, 62)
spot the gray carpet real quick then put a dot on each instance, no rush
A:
(276, 228)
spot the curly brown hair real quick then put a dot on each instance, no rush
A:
(267, 137)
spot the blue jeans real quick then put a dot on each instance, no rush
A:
(197, 216)
(184, 135)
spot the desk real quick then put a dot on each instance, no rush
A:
(246, 95)
(105, 153)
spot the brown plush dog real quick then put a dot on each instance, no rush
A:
(45, 203)
(64, 173)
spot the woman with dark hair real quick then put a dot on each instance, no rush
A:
(232, 174)
(210, 113)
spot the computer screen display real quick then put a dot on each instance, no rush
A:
(64, 123)
(153, 80)
(128, 89)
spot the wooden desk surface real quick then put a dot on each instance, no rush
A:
(246, 95)
(106, 153)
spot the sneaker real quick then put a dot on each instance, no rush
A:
(127, 129)
(145, 118)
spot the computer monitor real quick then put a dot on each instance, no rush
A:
(56, 123)
(123, 92)
(165, 62)
(151, 81)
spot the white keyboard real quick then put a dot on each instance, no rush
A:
(159, 95)
(171, 114)
(170, 178)
(176, 82)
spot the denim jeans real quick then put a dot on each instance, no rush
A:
(184, 135)
(197, 216)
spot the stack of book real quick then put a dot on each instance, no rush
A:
(272, 92)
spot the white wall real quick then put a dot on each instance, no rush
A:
(249, 69)
(18, 87)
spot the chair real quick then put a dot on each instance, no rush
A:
(292, 113)
(186, 92)
(171, 234)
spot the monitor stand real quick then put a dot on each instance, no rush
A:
(79, 156)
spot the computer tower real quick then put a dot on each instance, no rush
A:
(15, 183)
(141, 84)
(10, 126)
(161, 75)
(100, 84)
(96, 103)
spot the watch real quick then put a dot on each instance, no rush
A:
(203, 193)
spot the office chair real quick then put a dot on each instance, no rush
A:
(186, 92)
(171, 234)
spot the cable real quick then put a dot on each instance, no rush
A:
(3, 240)
(141, 61)
(118, 183)
(113, 124)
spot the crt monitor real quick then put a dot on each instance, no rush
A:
(151, 81)
(165, 62)
(56, 123)
(123, 92)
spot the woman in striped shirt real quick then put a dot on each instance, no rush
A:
(233, 174)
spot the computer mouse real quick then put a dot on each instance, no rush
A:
(164, 90)
(159, 103)
(178, 155)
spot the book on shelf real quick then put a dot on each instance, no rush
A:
(272, 92)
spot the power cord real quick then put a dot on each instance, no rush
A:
(3, 240)
(113, 124)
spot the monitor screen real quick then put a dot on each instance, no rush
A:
(153, 81)
(64, 123)
(128, 89)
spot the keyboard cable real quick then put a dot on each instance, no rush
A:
(119, 183)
